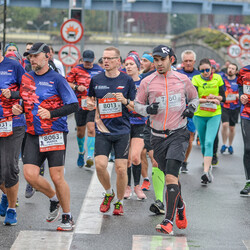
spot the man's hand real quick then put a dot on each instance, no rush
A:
(244, 99)
(120, 98)
(188, 112)
(81, 88)
(90, 103)
(152, 109)
(6, 93)
(17, 109)
(43, 113)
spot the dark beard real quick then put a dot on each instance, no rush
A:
(36, 68)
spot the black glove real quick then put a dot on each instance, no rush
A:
(188, 112)
(152, 109)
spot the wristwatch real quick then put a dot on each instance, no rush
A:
(128, 101)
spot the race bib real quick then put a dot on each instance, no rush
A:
(6, 127)
(162, 102)
(51, 142)
(246, 88)
(174, 100)
(208, 106)
(230, 97)
(84, 102)
(109, 108)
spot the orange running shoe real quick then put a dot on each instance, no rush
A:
(105, 206)
(181, 219)
(145, 185)
(165, 227)
(118, 208)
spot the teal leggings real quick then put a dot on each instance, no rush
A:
(207, 128)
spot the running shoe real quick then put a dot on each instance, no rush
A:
(205, 178)
(89, 162)
(165, 227)
(246, 190)
(112, 158)
(215, 159)
(181, 219)
(105, 206)
(54, 211)
(80, 160)
(139, 193)
(184, 167)
(128, 193)
(145, 185)
(223, 149)
(230, 150)
(157, 207)
(29, 191)
(3, 205)
(210, 174)
(67, 223)
(118, 210)
(10, 218)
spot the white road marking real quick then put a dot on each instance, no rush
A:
(148, 242)
(90, 219)
(40, 240)
(247, 244)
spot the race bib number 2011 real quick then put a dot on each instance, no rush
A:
(51, 142)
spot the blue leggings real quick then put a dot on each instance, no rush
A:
(207, 128)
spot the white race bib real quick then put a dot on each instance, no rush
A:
(246, 88)
(6, 127)
(51, 142)
(84, 102)
(110, 108)
(174, 100)
(208, 106)
(162, 102)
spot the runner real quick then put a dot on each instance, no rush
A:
(208, 116)
(79, 78)
(47, 100)
(188, 58)
(230, 109)
(114, 93)
(244, 92)
(57, 63)
(166, 92)
(11, 135)
(132, 66)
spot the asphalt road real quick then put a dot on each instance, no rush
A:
(218, 218)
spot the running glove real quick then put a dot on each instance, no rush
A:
(152, 109)
(188, 112)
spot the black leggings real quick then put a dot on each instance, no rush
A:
(245, 128)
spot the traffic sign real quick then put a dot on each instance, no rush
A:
(244, 41)
(72, 31)
(69, 55)
(234, 50)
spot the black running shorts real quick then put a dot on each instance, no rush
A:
(82, 117)
(32, 154)
(230, 115)
(173, 147)
(137, 130)
(104, 143)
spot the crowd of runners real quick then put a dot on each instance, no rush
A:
(126, 109)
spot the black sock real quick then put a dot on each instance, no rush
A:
(129, 176)
(172, 198)
(180, 202)
(136, 173)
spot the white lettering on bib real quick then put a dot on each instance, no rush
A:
(6, 127)
(51, 142)
(110, 108)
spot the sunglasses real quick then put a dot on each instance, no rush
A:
(204, 70)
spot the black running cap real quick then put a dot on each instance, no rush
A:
(37, 48)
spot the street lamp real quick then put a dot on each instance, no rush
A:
(38, 28)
